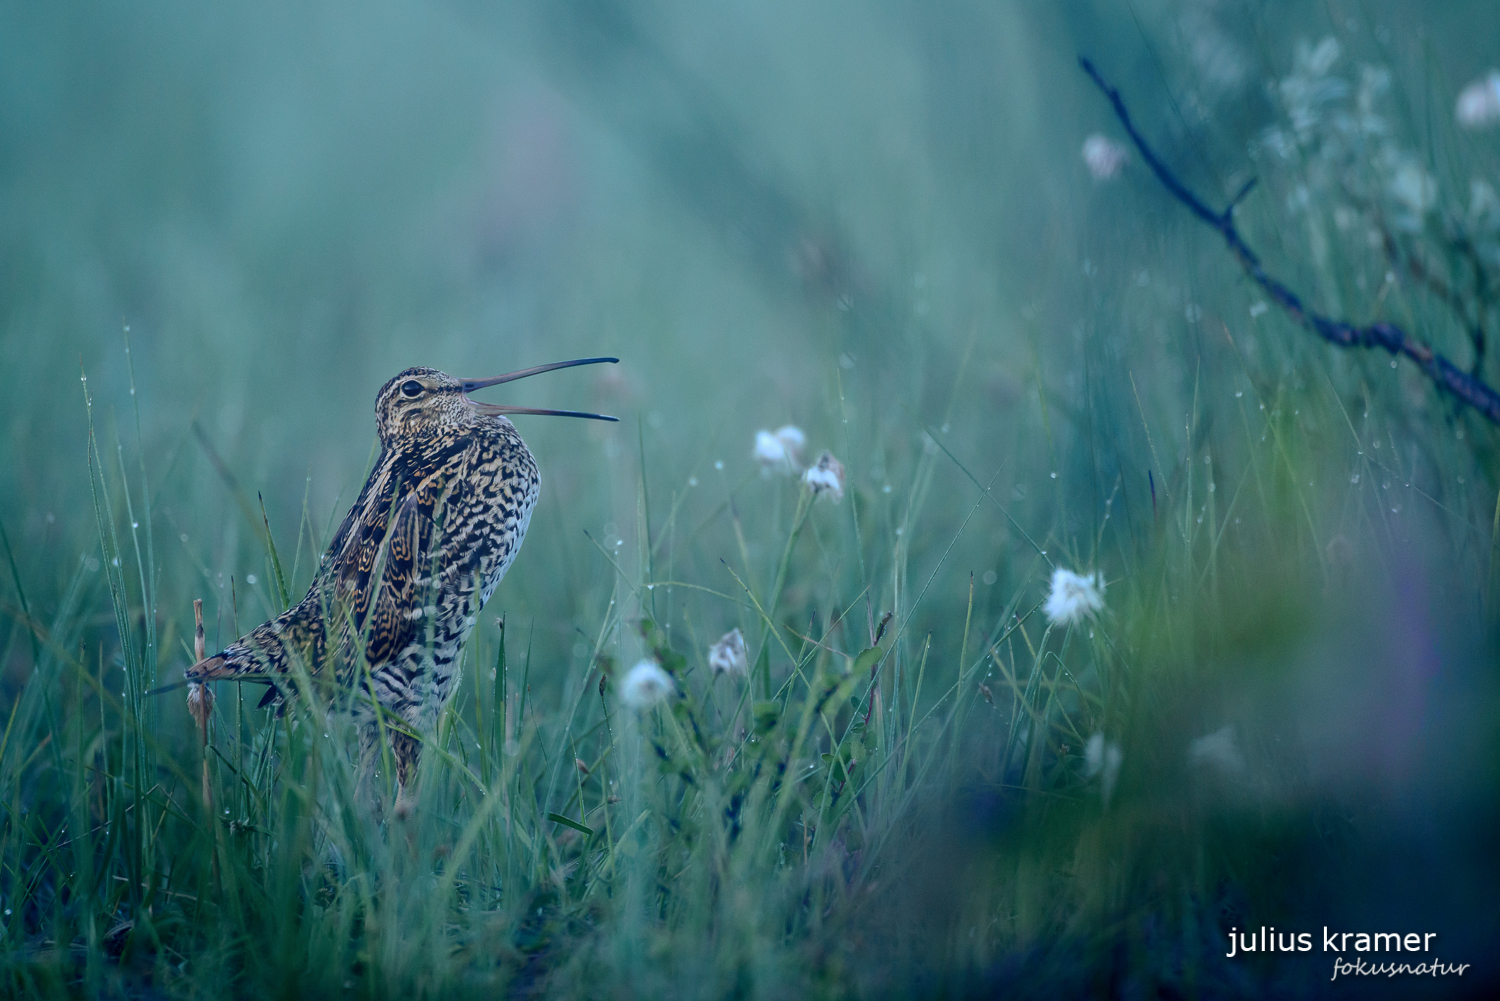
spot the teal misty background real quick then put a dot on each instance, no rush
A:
(872, 221)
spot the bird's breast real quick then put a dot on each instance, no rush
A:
(497, 510)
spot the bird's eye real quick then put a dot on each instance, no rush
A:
(411, 388)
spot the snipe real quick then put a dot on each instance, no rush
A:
(436, 526)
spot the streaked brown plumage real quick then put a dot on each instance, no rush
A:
(436, 526)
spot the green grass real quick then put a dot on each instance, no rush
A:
(1300, 547)
(850, 818)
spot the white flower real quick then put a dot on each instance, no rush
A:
(1218, 59)
(645, 685)
(1106, 757)
(1479, 103)
(1308, 92)
(1318, 61)
(1484, 206)
(728, 655)
(1414, 188)
(826, 477)
(1104, 158)
(779, 450)
(1074, 596)
(769, 451)
(1217, 750)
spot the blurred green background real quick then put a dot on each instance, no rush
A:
(871, 220)
(287, 205)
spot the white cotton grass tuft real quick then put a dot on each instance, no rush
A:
(1074, 597)
(1103, 758)
(1415, 190)
(792, 437)
(1105, 158)
(780, 450)
(1478, 104)
(1218, 751)
(1484, 206)
(645, 685)
(728, 655)
(825, 478)
(200, 701)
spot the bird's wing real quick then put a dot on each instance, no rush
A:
(395, 551)
(370, 580)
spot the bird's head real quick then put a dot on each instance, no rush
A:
(422, 401)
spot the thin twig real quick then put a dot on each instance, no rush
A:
(1446, 293)
(1448, 377)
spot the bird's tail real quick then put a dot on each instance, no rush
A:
(213, 668)
(220, 665)
(271, 650)
(268, 651)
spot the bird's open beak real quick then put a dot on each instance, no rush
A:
(469, 385)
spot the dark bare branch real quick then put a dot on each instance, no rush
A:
(1449, 378)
